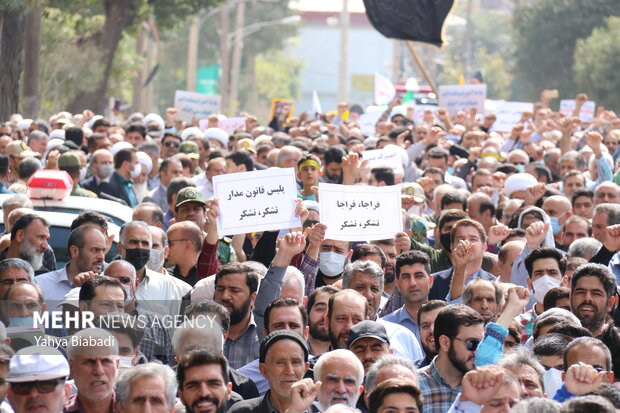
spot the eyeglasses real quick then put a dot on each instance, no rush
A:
(471, 343)
(45, 386)
(171, 144)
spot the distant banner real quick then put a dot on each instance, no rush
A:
(360, 213)
(256, 201)
(384, 90)
(567, 106)
(508, 113)
(193, 105)
(419, 20)
(462, 97)
(378, 158)
(280, 105)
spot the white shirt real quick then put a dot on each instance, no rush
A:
(55, 285)
(161, 293)
(403, 342)
(204, 185)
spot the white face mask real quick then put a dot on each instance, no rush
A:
(552, 381)
(137, 170)
(331, 264)
(126, 361)
(543, 285)
(105, 170)
(156, 259)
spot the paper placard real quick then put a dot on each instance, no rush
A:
(587, 110)
(462, 97)
(192, 105)
(256, 201)
(368, 122)
(230, 125)
(382, 158)
(509, 114)
(360, 213)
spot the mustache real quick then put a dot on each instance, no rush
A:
(205, 399)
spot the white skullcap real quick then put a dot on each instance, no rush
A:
(401, 152)
(57, 133)
(120, 145)
(189, 132)
(52, 143)
(518, 182)
(154, 117)
(145, 160)
(218, 134)
(92, 121)
(24, 124)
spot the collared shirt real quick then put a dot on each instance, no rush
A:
(55, 285)
(262, 405)
(205, 186)
(244, 348)
(128, 188)
(161, 293)
(156, 342)
(402, 341)
(403, 318)
(73, 405)
(437, 393)
(251, 370)
(191, 275)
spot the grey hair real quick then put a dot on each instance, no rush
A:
(554, 315)
(584, 248)
(538, 405)
(520, 357)
(574, 156)
(367, 267)
(18, 200)
(133, 224)
(123, 385)
(7, 263)
(468, 292)
(352, 358)
(258, 267)
(214, 338)
(386, 361)
(76, 346)
(126, 264)
(294, 277)
(162, 233)
(612, 211)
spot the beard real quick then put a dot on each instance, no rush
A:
(31, 254)
(237, 314)
(140, 190)
(194, 407)
(459, 365)
(335, 340)
(319, 332)
(593, 322)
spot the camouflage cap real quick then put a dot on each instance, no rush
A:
(189, 194)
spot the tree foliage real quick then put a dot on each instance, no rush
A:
(546, 32)
(278, 75)
(597, 60)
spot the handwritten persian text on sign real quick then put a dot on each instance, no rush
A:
(193, 105)
(256, 201)
(360, 213)
(462, 97)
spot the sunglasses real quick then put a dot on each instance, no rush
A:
(45, 386)
(170, 144)
(125, 280)
(471, 343)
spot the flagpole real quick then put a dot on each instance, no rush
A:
(421, 66)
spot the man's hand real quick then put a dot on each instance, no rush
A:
(433, 135)
(518, 298)
(402, 242)
(582, 379)
(594, 140)
(289, 245)
(498, 233)
(535, 234)
(461, 254)
(612, 238)
(427, 184)
(302, 212)
(303, 394)
(478, 386)
(51, 162)
(474, 154)
(534, 193)
(212, 214)
(351, 168)
(315, 236)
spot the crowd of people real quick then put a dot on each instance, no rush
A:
(498, 294)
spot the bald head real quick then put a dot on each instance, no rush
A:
(16, 214)
(607, 192)
(288, 157)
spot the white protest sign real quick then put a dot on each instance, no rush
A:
(462, 97)
(587, 110)
(256, 201)
(382, 158)
(360, 213)
(384, 90)
(367, 123)
(230, 125)
(509, 114)
(192, 105)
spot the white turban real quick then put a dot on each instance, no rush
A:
(518, 182)
(145, 160)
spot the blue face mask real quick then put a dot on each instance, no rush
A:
(521, 168)
(555, 225)
(21, 322)
(450, 171)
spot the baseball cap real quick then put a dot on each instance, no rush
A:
(367, 328)
(413, 188)
(68, 160)
(189, 194)
(20, 150)
(190, 148)
(278, 335)
(37, 363)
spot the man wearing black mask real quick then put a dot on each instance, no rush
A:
(156, 292)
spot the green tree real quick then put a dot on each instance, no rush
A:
(546, 32)
(12, 31)
(597, 60)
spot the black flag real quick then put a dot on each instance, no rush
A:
(419, 20)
